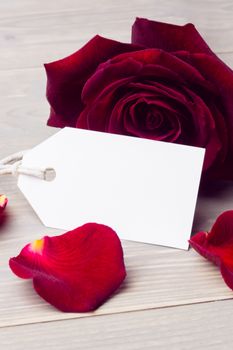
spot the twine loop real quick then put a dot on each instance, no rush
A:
(13, 165)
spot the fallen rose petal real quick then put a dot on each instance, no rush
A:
(76, 271)
(217, 246)
(3, 203)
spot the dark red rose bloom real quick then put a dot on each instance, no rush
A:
(217, 246)
(76, 271)
(167, 85)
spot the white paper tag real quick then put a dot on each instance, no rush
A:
(145, 190)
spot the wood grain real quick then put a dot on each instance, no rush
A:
(191, 327)
(35, 32)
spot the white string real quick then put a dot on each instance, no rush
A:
(13, 165)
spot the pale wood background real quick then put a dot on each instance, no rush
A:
(172, 299)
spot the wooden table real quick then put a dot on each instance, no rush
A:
(172, 299)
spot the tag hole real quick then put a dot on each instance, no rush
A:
(50, 174)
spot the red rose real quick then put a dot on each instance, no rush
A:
(167, 85)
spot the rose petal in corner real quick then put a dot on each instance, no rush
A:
(3, 203)
(217, 246)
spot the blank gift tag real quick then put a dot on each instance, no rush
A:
(145, 190)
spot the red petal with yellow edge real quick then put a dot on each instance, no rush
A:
(3, 203)
(76, 271)
(217, 246)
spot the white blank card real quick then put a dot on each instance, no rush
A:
(145, 190)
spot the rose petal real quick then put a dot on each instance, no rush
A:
(3, 203)
(214, 70)
(217, 246)
(206, 134)
(100, 90)
(168, 37)
(151, 63)
(76, 271)
(107, 75)
(66, 77)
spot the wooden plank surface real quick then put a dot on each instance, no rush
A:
(147, 311)
(191, 327)
(35, 32)
(157, 276)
